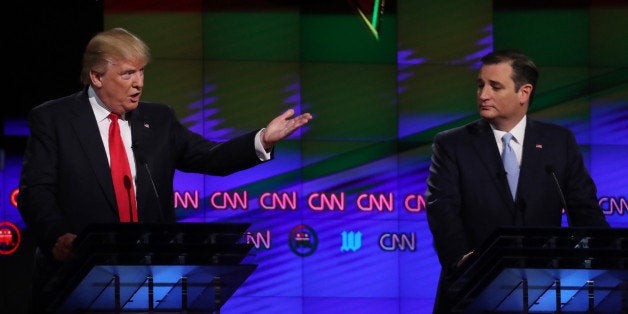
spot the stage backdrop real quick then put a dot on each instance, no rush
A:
(338, 221)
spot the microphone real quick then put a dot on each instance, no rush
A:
(127, 186)
(140, 159)
(152, 182)
(551, 171)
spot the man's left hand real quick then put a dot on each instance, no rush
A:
(282, 126)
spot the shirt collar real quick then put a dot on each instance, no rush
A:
(517, 132)
(100, 110)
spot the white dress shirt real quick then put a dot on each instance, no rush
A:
(518, 133)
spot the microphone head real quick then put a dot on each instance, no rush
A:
(549, 169)
(127, 182)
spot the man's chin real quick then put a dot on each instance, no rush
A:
(487, 115)
(131, 106)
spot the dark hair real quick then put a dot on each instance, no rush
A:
(524, 70)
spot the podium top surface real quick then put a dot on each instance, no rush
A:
(567, 238)
(122, 230)
(176, 243)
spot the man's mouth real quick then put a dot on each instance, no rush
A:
(135, 97)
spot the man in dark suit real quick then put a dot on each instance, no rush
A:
(66, 183)
(468, 191)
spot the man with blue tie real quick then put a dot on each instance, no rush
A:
(499, 170)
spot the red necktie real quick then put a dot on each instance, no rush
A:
(121, 173)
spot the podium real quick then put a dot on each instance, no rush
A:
(156, 268)
(546, 270)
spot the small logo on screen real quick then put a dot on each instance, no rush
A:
(303, 240)
(9, 238)
(351, 241)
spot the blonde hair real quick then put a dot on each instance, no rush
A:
(107, 46)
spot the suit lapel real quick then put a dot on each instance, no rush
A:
(486, 148)
(531, 157)
(140, 132)
(86, 130)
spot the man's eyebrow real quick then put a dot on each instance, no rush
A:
(496, 83)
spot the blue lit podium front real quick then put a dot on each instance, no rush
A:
(547, 270)
(156, 268)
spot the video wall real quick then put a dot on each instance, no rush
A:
(337, 218)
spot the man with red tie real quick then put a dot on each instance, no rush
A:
(101, 155)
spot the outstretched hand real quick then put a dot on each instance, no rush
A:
(282, 126)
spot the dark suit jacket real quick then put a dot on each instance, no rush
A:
(467, 191)
(66, 183)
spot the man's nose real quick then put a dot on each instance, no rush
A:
(483, 92)
(138, 80)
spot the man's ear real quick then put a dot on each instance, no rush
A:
(96, 78)
(524, 93)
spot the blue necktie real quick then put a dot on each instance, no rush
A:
(510, 164)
